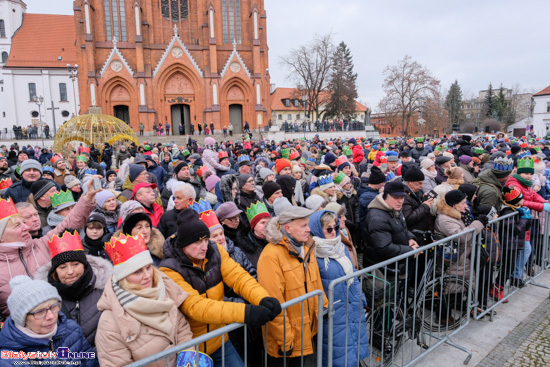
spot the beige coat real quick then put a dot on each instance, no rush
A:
(121, 339)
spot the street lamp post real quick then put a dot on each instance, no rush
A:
(304, 100)
(73, 70)
(39, 101)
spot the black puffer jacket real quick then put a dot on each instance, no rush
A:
(168, 223)
(84, 310)
(513, 240)
(251, 246)
(239, 257)
(416, 214)
(387, 234)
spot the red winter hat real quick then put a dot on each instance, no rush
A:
(282, 163)
(140, 186)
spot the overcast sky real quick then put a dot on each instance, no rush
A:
(476, 42)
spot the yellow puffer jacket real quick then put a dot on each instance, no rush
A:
(372, 155)
(281, 271)
(207, 311)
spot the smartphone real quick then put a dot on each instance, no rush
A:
(432, 194)
(97, 184)
(492, 213)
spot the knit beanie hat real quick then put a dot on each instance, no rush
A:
(280, 204)
(469, 189)
(515, 149)
(426, 163)
(227, 210)
(127, 207)
(511, 195)
(454, 197)
(376, 176)
(135, 171)
(329, 159)
(314, 202)
(211, 182)
(242, 178)
(28, 164)
(264, 172)
(281, 163)
(26, 294)
(413, 174)
(69, 256)
(109, 173)
(465, 159)
(209, 142)
(102, 196)
(97, 217)
(178, 168)
(269, 188)
(70, 181)
(40, 187)
(190, 228)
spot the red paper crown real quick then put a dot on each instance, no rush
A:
(523, 145)
(508, 152)
(294, 155)
(55, 158)
(201, 171)
(67, 242)
(341, 160)
(5, 183)
(123, 248)
(383, 159)
(7, 208)
(222, 154)
(85, 150)
(209, 218)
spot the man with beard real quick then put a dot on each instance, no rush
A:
(5, 170)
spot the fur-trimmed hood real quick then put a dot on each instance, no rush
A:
(212, 199)
(272, 232)
(379, 203)
(103, 269)
(447, 210)
(226, 188)
(156, 243)
(258, 160)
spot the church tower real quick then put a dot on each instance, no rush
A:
(177, 61)
(11, 18)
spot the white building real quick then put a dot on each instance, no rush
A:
(541, 112)
(39, 47)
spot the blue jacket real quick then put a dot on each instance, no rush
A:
(160, 173)
(19, 191)
(366, 195)
(349, 317)
(69, 335)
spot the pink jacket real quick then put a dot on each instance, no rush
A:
(531, 199)
(35, 253)
(211, 160)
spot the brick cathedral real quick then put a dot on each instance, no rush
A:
(176, 61)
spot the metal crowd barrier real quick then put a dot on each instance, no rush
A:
(414, 303)
(195, 342)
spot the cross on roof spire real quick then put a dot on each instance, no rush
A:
(175, 30)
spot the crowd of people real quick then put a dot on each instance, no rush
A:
(122, 252)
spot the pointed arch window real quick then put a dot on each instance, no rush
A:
(2, 28)
(4, 57)
(176, 10)
(231, 14)
(115, 20)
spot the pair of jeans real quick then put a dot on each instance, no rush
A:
(230, 355)
(523, 257)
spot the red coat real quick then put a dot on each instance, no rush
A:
(358, 154)
(155, 217)
(531, 199)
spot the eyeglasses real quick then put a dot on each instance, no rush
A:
(250, 180)
(40, 314)
(330, 229)
(234, 219)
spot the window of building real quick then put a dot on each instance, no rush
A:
(296, 103)
(174, 9)
(32, 91)
(280, 117)
(115, 20)
(298, 117)
(3, 114)
(2, 28)
(468, 115)
(547, 106)
(65, 113)
(63, 92)
(4, 57)
(34, 113)
(289, 116)
(287, 102)
(231, 21)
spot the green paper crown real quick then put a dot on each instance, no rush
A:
(285, 153)
(439, 148)
(62, 197)
(526, 165)
(478, 150)
(383, 149)
(186, 152)
(255, 209)
(392, 142)
(82, 158)
(339, 178)
(348, 151)
(419, 140)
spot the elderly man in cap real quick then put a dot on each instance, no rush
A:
(287, 269)
(30, 171)
(441, 164)
(145, 194)
(40, 198)
(387, 233)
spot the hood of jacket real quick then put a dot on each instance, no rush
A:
(226, 188)
(128, 185)
(102, 269)
(448, 210)
(255, 164)
(488, 177)
(379, 203)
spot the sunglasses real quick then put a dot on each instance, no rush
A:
(330, 229)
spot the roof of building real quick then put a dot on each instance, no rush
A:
(44, 41)
(280, 94)
(544, 92)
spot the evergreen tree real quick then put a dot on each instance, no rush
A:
(342, 84)
(453, 104)
(500, 105)
(488, 104)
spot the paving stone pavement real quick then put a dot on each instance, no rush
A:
(527, 345)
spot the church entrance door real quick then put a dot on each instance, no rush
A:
(122, 112)
(181, 116)
(236, 117)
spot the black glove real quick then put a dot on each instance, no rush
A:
(483, 219)
(256, 315)
(273, 304)
(288, 352)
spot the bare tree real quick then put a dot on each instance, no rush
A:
(310, 67)
(407, 85)
(390, 112)
(435, 115)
